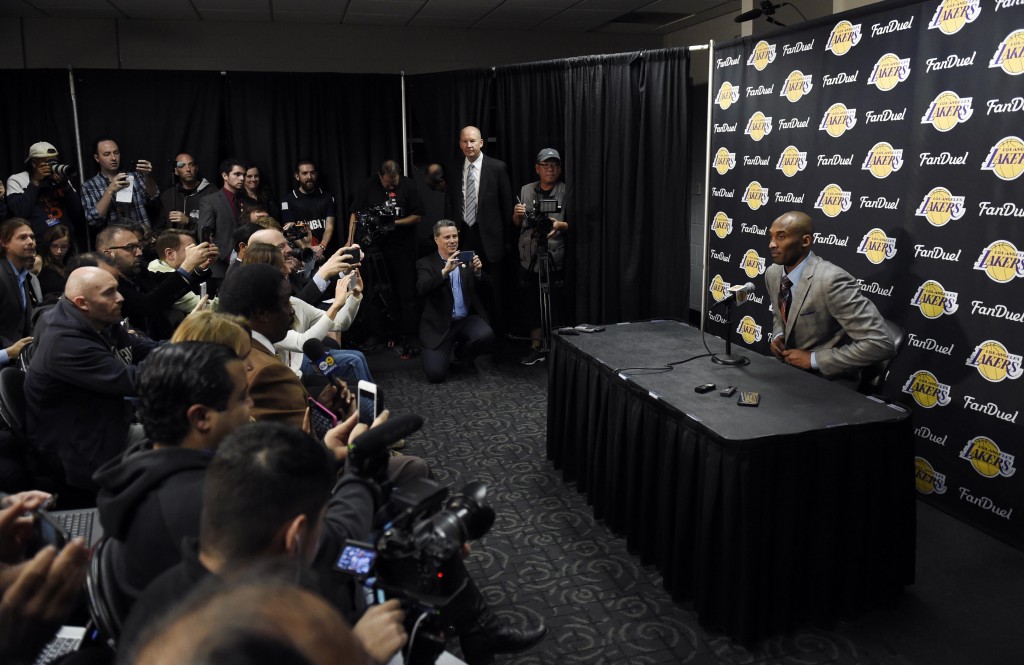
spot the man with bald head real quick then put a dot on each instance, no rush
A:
(312, 290)
(85, 366)
(821, 320)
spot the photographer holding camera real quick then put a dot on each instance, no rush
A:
(541, 245)
(41, 193)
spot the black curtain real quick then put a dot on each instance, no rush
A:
(439, 105)
(626, 161)
(38, 108)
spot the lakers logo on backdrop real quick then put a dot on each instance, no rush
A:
(926, 479)
(947, 110)
(833, 200)
(876, 246)
(762, 55)
(987, 459)
(882, 160)
(1005, 158)
(926, 390)
(797, 85)
(1001, 261)
(758, 126)
(755, 195)
(721, 225)
(889, 71)
(844, 36)
(934, 301)
(718, 288)
(728, 94)
(952, 15)
(752, 264)
(1009, 55)
(994, 362)
(725, 161)
(939, 206)
(838, 119)
(749, 330)
(791, 161)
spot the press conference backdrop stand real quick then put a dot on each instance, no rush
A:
(801, 509)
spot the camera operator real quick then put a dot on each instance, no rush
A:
(537, 232)
(398, 246)
(41, 193)
(312, 205)
(99, 193)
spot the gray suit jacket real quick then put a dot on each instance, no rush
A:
(215, 213)
(830, 317)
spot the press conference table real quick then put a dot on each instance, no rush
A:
(799, 510)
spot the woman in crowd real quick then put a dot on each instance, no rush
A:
(258, 193)
(51, 260)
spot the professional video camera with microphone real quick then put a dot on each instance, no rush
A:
(293, 234)
(377, 220)
(418, 534)
(539, 217)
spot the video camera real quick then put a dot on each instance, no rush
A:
(293, 234)
(377, 220)
(418, 533)
(538, 218)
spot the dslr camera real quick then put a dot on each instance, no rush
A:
(64, 171)
(293, 235)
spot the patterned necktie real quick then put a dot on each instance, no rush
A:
(470, 212)
(785, 298)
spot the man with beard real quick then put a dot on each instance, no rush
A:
(310, 206)
(19, 288)
(39, 195)
(146, 310)
(180, 203)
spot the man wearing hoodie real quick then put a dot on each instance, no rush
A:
(179, 205)
(192, 395)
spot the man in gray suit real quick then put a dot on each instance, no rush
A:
(219, 213)
(822, 322)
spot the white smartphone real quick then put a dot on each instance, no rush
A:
(202, 290)
(369, 405)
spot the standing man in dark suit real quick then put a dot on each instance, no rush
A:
(454, 319)
(220, 212)
(479, 198)
(821, 320)
(19, 288)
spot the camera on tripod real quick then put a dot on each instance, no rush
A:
(293, 234)
(377, 220)
(539, 217)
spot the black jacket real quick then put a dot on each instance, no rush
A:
(438, 299)
(75, 391)
(150, 500)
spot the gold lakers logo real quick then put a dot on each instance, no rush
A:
(952, 15)
(876, 246)
(721, 225)
(728, 94)
(1001, 261)
(994, 362)
(948, 110)
(791, 161)
(986, 458)
(889, 71)
(762, 55)
(725, 161)
(882, 160)
(926, 389)
(718, 288)
(844, 36)
(754, 195)
(749, 330)
(934, 301)
(797, 85)
(833, 200)
(939, 206)
(1009, 55)
(758, 126)
(838, 119)
(926, 479)
(1006, 158)
(752, 264)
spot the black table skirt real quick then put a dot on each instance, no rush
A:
(760, 535)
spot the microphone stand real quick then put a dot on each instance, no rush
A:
(728, 358)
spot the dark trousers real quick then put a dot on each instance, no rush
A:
(475, 336)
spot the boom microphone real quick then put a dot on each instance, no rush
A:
(368, 453)
(766, 8)
(737, 293)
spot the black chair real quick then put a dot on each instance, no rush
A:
(26, 356)
(12, 401)
(107, 605)
(873, 377)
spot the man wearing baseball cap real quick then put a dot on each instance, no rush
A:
(42, 193)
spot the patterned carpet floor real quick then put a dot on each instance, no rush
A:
(548, 559)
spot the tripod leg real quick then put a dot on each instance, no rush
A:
(544, 278)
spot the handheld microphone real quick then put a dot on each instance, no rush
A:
(323, 361)
(737, 293)
(368, 453)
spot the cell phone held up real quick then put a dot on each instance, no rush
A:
(370, 402)
(466, 257)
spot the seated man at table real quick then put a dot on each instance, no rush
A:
(821, 320)
(454, 321)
